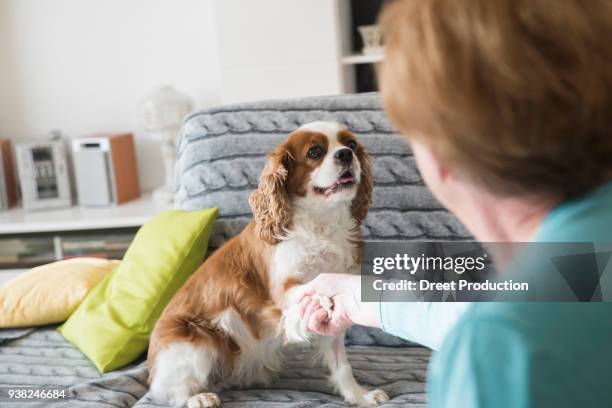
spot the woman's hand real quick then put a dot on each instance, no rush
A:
(344, 292)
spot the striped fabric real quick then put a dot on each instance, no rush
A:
(43, 358)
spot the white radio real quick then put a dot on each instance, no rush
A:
(43, 175)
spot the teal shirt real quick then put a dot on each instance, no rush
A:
(533, 354)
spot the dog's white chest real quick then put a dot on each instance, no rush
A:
(316, 246)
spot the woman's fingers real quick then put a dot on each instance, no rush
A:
(304, 304)
(310, 308)
(307, 289)
(315, 318)
(319, 322)
(322, 284)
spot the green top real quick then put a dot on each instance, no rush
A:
(534, 354)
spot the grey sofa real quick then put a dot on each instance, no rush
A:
(220, 155)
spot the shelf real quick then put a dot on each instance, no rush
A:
(131, 214)
(8, 274)
(362, 59)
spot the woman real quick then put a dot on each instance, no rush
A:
(507, 105)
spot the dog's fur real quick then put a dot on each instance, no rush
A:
(228, 323)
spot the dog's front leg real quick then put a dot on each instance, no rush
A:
(334, 354)
(295, 328)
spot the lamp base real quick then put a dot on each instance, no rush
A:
(163, 195)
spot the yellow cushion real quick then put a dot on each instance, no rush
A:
(50, 293)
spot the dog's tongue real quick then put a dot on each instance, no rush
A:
(346, 179)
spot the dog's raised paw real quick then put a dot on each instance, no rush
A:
(204, 400)
(375, 397)
(327, 305)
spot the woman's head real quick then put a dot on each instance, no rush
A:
(515, 95)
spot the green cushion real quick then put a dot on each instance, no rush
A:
(112, 325)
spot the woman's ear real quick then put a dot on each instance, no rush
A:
(437, 176)
(270, 202)
(433, 171)
(363, 199)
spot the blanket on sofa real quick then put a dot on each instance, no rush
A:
(43, 358)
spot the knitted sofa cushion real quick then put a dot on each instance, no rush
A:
(221, 153)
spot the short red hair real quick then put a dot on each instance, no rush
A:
(515, 93)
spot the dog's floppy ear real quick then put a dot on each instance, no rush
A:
(270, 202)
(363, 199)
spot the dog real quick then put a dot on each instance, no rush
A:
(228, 324)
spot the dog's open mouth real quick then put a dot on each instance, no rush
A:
(346, 180)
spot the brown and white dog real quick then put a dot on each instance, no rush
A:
(228, 323)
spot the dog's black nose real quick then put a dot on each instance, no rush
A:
(345, 156)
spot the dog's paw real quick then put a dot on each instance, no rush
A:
(375, 397)
(204, 400)
(294, 329)
(370, 399)
(327, 305)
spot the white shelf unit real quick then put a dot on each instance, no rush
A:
(354, 59)
(53, 228)
(130, 214)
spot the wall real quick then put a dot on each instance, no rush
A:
(278, 48)
(83, 66)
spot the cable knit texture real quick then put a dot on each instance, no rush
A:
(222, 152)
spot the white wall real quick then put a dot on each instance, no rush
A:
(278, 48)
(83, 66)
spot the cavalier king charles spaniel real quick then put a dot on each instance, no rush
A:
(227, 325)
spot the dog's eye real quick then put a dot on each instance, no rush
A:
(315, 152)
(351, 144)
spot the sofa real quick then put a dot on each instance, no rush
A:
(220, 153)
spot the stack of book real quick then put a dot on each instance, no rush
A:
(107, 246)
(26, 252)
(18, 253)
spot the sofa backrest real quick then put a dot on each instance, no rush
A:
(221, 153)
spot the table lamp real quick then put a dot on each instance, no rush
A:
(162, 114)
